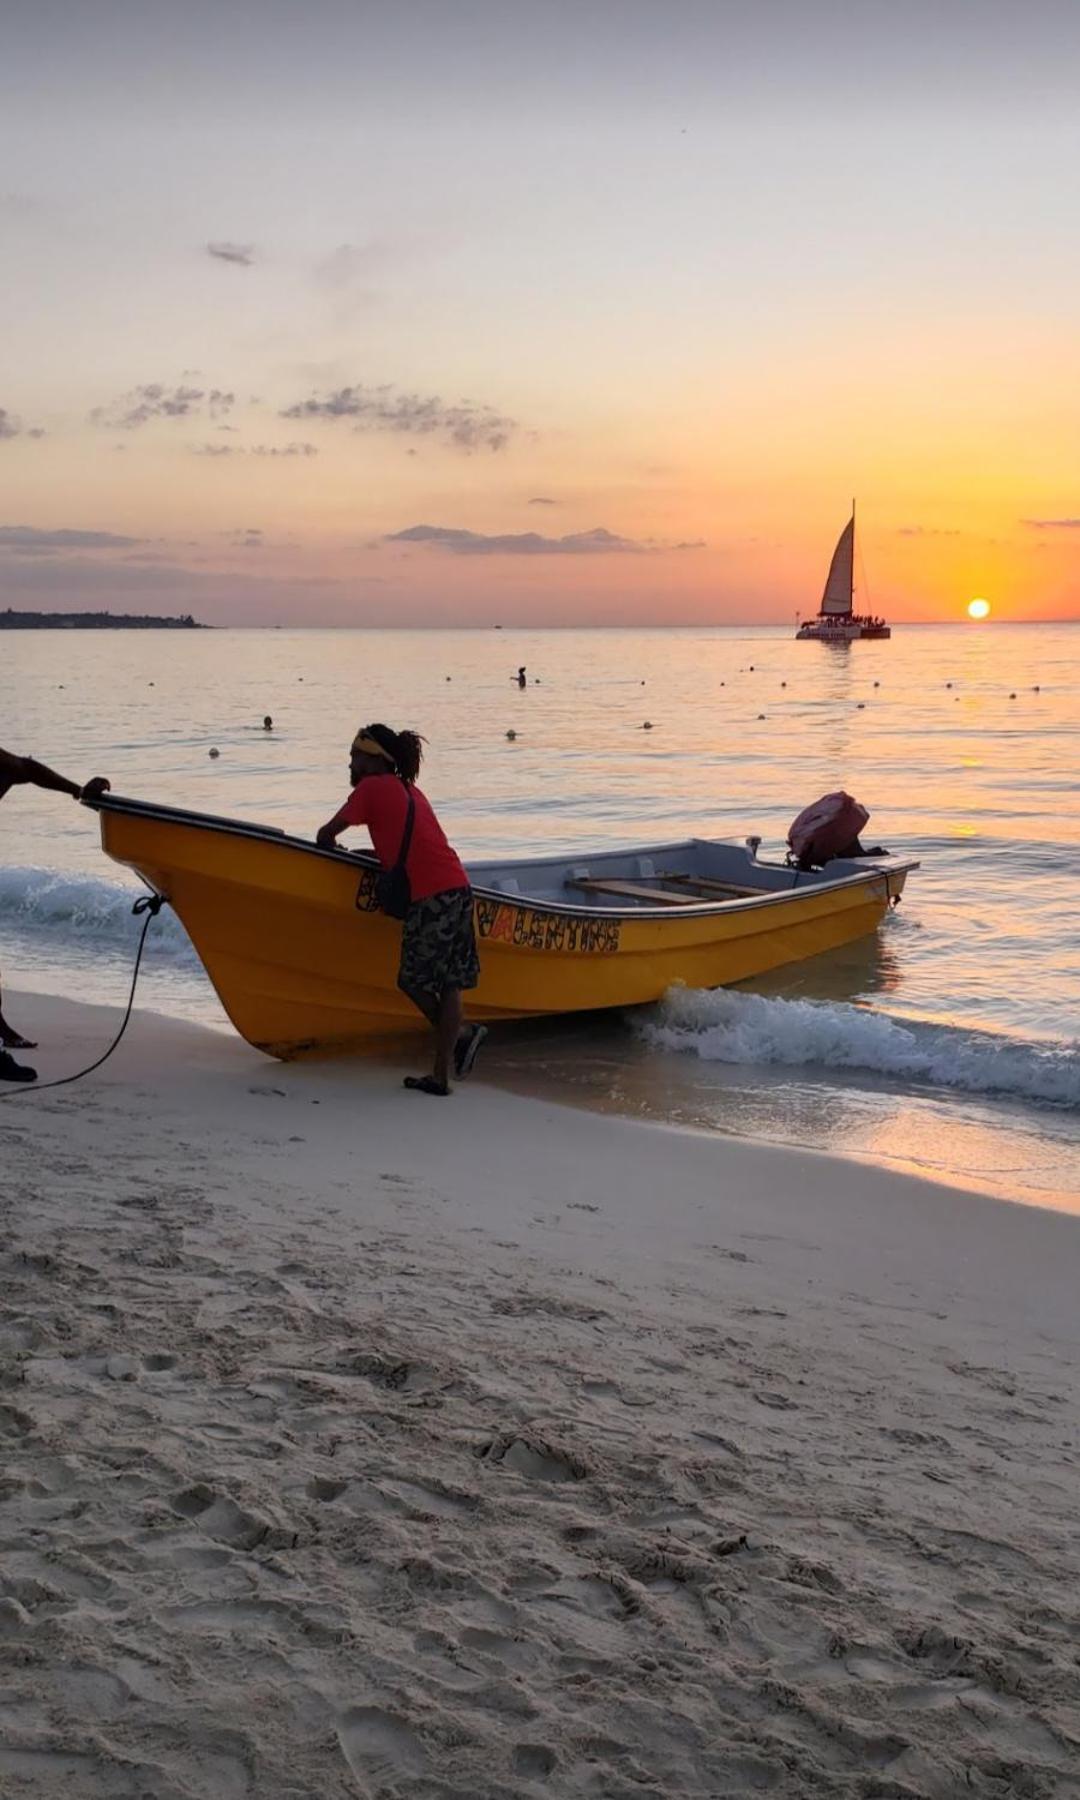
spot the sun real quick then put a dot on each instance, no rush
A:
(978, 609)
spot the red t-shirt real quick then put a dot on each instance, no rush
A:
(381, 802)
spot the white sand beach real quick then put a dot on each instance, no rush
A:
(355, 1443)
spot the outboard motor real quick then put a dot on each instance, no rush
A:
(828, 829)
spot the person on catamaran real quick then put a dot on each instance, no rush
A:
(439, 959)
(20, 771)
(521, 680)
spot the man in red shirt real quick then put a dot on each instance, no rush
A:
(438, 942)
(16, 771)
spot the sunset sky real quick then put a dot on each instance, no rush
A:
(433, 311)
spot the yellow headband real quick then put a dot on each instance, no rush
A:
(370, 748)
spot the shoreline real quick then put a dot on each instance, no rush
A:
(591, 1090)
(355, 1443)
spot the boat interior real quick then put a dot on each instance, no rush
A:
(693, 872)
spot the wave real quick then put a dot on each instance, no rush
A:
(75, 910)
(723, 1026)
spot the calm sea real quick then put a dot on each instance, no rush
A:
(949, 1044)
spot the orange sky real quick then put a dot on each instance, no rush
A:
(624, 323)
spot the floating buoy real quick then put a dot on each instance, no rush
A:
(948, 684)
(214, 753)
(149, 684)
(1036, 689)
(783, 684)
(511, 735)
(861, 706)
(761, 715)
(647, 725)
(1012, 696)
(751, 668)
(643, 684)
(877, 684)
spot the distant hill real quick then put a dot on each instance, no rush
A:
(95, 621)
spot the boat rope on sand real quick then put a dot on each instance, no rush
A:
(150, 905)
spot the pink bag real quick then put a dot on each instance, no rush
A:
(826, 829)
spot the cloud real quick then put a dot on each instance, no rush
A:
(463, 426)
(244, 254)
(287, 450)
(1052, 524)
(155, 401)
(542, 500)
(521, 543)
(924, 531)
(25, 540)
(284, 450)
(12, 427)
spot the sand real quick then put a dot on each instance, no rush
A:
(354, 1443)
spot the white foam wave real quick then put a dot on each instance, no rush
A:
(724, 1026)
(75, 910)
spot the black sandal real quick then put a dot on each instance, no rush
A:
(426, 1084)
(467, 1049)
(10, 1070)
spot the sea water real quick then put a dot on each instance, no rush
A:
(948, 1043)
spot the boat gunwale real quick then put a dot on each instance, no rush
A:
(122, 806)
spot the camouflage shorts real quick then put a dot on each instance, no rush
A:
(438, 945)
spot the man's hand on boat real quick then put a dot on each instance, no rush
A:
(94, 788)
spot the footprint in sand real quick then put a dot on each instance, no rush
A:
(324, 1487)
(534, 1760)
(535, 1458)
(382, 1752)
(15, 1423)
(220, 1517)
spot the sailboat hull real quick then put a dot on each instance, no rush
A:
(302, 962)
(839, 631)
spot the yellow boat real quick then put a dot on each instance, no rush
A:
(304, 962)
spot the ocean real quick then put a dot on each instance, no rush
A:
(948, 1045)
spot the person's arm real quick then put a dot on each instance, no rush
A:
(327, 835)
(352, 813)
(23, 770)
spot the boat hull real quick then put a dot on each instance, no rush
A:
(303, 963)
(840, 634)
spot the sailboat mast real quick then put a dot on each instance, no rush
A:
(853, 553)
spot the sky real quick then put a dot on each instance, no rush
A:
(473, 311)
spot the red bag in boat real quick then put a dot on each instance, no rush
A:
(826, 829)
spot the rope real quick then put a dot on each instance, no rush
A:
(151, 905)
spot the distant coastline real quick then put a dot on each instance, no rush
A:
(95, 621)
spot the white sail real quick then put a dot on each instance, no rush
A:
(837, 596)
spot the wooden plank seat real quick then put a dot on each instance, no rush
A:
(705, 885)
(635, 890)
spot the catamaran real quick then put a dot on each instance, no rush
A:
(837, 622)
